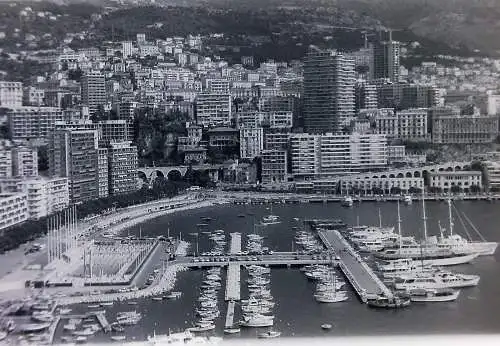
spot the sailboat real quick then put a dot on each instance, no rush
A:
(460, 245)
(331, 294)
(270, 219)
(428, 253)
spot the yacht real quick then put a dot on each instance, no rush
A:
(257, 320)
(185, 338)
(434, 295)
(459, 244)
(269, 334)
(270, 219)
(388, 303)
(407, 199)
(331, 297)
(118, 337)
(428, 252)
(347, 201)
(395, 268)
(232, 330)
(437, 280)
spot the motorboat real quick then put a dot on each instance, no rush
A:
(202, 328)
(182, 338)
(232, 330)
(69, 326)
(269, 334)
(81, 339)
(33, 327)
(395, 268)
(84, 332)
(407, 199)
(331, 297)
(256, 322)
(435, 280)
(347, 201)
(157, 298)
(118, 337)
(106, 304)
(433, 295)
(326, 326)
(384, 302)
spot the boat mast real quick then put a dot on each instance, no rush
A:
(380, 216)
(423, 215)
(450, 217)
(399, 227)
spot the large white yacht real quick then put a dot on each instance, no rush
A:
(395, 268)
(428, 252)
(435, 280)
(257, 320)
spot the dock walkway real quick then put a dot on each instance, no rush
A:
(230, 314)
(233, 280)
(366, 284)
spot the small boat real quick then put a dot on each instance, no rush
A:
(115, 326)
(232, 330)
(33, 327)
(107, 304)
(241, 215)
(326, 326)
(81, 340)
(202, 328)
(269, 334)
(69, 326)
(66, 338)
(118, 337)
(64, 311)
(386, 303)
(407, 199)
(157, 298)
(93, 306)
(347, 202)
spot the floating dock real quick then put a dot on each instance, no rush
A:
(230, 314)
(366, 284)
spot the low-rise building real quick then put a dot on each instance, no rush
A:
(223, 137)
(44, 195)
(251, 142)
(466, 181)
(195, 155)
(13, 209)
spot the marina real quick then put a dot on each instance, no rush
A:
(332, 249)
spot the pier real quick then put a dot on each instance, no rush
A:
(101, 318)
(233, 279)
(364, 281)
(230, 314)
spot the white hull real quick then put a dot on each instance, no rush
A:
(480, 248)
(335, 299)
(435, 299)
(437, 285)
(448, 261)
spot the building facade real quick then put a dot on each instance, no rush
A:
(33, 123)
(328, 96)
(213, 109)
(122, 163)
(13, 209)
(386, 56)
(93, 91)
(274, 166)
(462, 181)
(11, 94)
(315, 156)
(251, 142)
(24, 162)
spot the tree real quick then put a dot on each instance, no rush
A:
(474, 188)
(43, 159)
(455, 188)
(415, 190)
(395, 190)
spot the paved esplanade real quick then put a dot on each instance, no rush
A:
(359, 274)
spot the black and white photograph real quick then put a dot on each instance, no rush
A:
(249, 172)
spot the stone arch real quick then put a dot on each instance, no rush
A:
(416, 174)
(449, 169)
(392, 176)
(458, 168)
(441, 169)
(401, 175)
(174, 175)
(408, 174)
(375, 177)
(159, 173)
(142, 176)
(383, 176)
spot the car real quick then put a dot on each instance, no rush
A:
(337, 258)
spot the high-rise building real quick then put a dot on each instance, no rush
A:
(407, 95)
(11, 94)
(103, 175)
(114, 131)
(317, 156)
(122, 163)
(73, 153)
(213, 109)
(251, 142)
(366, 96)
(328, 95)
(274, 166)
(127, 49)
(24, 162)
(386, 59)
(93, 85)
(5, 163)
(33, 123)
(13, 209)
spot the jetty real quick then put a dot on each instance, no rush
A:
(362, 278)
(233, 279)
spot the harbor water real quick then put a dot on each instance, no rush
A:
(296, 312)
